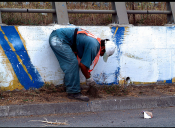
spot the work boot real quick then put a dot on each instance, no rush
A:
(78, 96)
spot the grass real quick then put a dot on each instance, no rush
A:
(115, 90)
(84, 19)
(25, 100)
(1, 94)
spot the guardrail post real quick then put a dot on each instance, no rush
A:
(114, 16)
(54, 16)
(169, 16)
(61, 12)
(121, 17)
(173, 11)
(170, 7)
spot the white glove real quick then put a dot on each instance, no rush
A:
(90, 82)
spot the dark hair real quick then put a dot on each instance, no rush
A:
(103, 43)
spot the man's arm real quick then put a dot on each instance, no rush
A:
(84, 70)
(89, 80)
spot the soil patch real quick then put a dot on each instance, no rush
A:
(57, 94)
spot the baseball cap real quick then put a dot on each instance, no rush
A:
(110, 49)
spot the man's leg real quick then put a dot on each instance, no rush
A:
(69, 64)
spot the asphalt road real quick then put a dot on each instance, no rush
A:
(162, 117)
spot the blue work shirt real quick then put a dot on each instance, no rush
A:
(87, 47)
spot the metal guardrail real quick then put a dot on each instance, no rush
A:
(114, 12)
(28, 10)
(119, 12)
(147, 12)
(83, 11)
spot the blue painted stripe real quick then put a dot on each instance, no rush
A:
(22, 76)
(170, 28)
(167, 81)
(118, 38)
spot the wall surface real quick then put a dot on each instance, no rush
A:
(143, 54)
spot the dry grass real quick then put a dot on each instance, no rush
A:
(147, 19)
(26, 18)
(56, 94)
(84, 19)
(90, 19)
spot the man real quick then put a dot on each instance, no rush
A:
(74, 48)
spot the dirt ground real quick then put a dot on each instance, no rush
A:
(56, 94)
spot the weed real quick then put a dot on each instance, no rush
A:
(48, 88)
(1, 95)
(115, 90)
(37, 91)
(10, 94)
(140, 93)
(25, 100)
(31, 88)
(54, 90)
(32, 94)
(46, 85)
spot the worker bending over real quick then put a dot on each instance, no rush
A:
(74, 48)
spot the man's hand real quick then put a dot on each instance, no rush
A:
(90, 82)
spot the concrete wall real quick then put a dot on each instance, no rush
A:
(143, 54)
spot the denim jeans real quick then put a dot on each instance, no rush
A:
(68, 63)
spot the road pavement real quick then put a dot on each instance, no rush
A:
(96, 105)
(162, 117)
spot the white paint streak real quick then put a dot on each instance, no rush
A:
(6, 75)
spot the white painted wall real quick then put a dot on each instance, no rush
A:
(42, 57)
(147, 54)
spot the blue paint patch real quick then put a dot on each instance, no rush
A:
(169, 81)
(119, 36)
(22, 76)
(160, 80)
(118, 39)
(171, 28)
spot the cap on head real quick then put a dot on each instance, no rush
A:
(110, 49)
